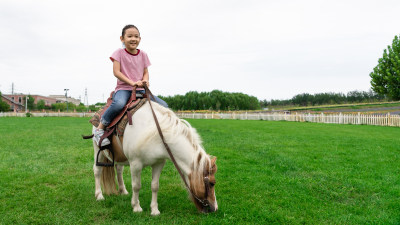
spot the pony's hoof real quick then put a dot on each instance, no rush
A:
(137, 209)
(155, 212)
(99, 197)
(124, 192)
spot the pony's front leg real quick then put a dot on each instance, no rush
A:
(136, 169)
(97, 173)
(121, 185)
(156, 168)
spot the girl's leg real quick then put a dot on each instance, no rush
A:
(119, 101)
(155, 99)
(160, 101)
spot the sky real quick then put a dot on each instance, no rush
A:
(263, 48)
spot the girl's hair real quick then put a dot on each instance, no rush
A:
(127, 27)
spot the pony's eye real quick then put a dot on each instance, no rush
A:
(212, 184)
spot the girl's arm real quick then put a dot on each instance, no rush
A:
(121, 76)
(146, 76)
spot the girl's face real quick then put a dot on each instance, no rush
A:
(131, 39)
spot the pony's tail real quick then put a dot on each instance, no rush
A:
(108, 179)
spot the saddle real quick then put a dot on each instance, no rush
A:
(115, 130)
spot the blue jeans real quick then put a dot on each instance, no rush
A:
(120, 98)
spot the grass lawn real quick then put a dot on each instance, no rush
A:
(268, 173)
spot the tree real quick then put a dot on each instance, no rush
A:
(31, 102)
(41, 104)
(81, 108)
(386, 75)
(4, 107)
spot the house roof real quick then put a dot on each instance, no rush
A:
(9, 99)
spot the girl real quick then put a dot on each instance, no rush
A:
(130, 67)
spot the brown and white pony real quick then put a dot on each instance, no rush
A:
(143, 147)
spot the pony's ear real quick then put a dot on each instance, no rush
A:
(213, 160)
(213, 165)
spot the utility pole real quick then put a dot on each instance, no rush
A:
(26, 104)
(86, 101)
(66, 98)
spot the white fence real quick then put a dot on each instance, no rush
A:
(46, 114)
(339, 118)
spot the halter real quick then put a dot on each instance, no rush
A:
(204, 201)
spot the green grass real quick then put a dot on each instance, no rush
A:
(268, 173)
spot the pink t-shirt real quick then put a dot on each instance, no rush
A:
(132, 66)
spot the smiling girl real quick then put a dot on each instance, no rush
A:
(130, 67)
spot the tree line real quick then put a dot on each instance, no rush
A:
(214, 100)
(219, 100)
(328, 98)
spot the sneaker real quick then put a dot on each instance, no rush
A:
(97, 136)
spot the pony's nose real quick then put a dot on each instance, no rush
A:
(210, 208)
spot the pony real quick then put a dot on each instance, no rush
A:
(143, 146)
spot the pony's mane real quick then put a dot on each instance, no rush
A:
(172, 126)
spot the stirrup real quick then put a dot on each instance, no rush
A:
(103, 163)
(102, 148)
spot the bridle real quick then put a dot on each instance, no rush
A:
(204, 202)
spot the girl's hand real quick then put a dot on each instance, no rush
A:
(139, 83)
(145, 82)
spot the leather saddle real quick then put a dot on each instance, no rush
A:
(115, 130)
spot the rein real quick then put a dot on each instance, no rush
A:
(204, 201)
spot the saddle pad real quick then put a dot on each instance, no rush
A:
(122, 119)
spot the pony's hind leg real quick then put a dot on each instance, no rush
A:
(121, 185)
(156, 172)
(136, 169)
(97, 174)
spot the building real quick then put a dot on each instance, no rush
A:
(61, 98)
(17, 100)
(14, 106)
(47, 100)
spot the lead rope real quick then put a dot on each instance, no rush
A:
(204, 202)
(162, 137)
